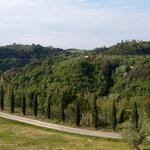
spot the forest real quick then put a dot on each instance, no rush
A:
(104, 88)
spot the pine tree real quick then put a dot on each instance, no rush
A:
(12, 101)
(77, 113)
(94, 112)
(23, 104)
(2, 97)
(114, 118)
(48, 108)
(35, 105)
(134, 116)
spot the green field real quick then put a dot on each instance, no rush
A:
(19, 136)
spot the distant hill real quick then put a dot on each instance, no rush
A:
(19, 55)
(127, 48)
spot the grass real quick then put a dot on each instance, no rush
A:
(16, 136)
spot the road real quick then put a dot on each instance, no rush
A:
(111, 135)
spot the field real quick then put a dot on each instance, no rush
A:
(16, 136)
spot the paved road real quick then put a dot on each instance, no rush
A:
(101, 134)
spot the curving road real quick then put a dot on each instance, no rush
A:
(101, 134)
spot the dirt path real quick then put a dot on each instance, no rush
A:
(101, 134)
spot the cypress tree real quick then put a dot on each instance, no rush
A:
(31, 97)
(114, 118)
(94, 112)
(48, 108)
(42, 104)
(134, 116)
(77, 113)
(121, 116)
(23, 104)
(35, 105)
(62, 111)
(2, 97)
(12, 101)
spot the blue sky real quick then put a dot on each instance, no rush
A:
(82, 24)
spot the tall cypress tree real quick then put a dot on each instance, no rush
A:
(121, 116)
(62, 110)
(77, 113)
(48, 107)
(23, 104)
(35, 105)
(12, 101)
(114, 117)
(31, 97)
(94, 112)
(2, 97)
(134, 116)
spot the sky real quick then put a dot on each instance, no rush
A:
(84, 24)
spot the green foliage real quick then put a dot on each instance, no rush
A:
(12, 101)
(2, 97)
(66, 74)
(138, 129)
(23, 104)
(130, 48)
(94, 111)
(35, 105)
(49, 107)
(121, 117)
(114, 117)
(62, 110)
(134, 116)
(77, 113)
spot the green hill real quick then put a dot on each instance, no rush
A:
(82, 76)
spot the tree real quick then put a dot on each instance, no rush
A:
(121, 116)
(62, 110)
(94, 112)
(42, 103)
(77, 113)
(134, 116)
(2, 97)
(35, 105)
(31, 97)
(23, 104)
(12, 101)
(136, 134)
(48, 107)
(113, 117)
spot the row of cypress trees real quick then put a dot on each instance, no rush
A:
(35, 105)
(134, 114)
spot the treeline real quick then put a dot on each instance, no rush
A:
(133, 47)
(18, 55)
(30, 103)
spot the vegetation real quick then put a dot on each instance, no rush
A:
(77, 113)
(2, 98)
(48, 108)
(31, 137)
(23, 104)
(83, 84)
(12, 101)
(113, 117)
(35, 105)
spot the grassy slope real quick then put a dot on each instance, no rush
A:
(14, 135)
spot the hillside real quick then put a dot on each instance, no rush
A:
(82, 76)
(13, 56)
(127, 48)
